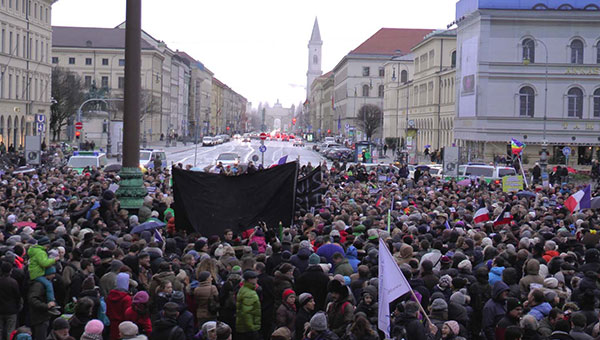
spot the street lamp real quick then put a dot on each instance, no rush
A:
(544, 155)
(394, 78)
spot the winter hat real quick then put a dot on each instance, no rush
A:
(178, 297)
(458, 298)
(304, 298)
(439, 305)
(115, 266)
(236, 270)
(319, 322)
(287, 293)
(94, 326)
(305, 244)
(123, 281)
(445, 281)
(203, 276)
(282, 333)
(454, 327)
(465, 265)
(128, 329)
(314, 259)
(551, 283)
(11, 218)
(512, 303)
(43, 241)
(140, 297)
(60, 323)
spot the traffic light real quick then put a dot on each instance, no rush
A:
(328, 131)
(77, 134)
(228, 128)
(293, 121)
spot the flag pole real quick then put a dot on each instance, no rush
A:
(523, 171)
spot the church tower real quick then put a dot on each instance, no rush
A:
(314, 57)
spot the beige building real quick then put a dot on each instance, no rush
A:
(228, 110)
(200, 93)
(428, 73)
(322, 120)
(25, 70)
(98, 56)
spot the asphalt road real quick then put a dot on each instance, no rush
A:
(206, 155)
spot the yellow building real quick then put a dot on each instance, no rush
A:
(323, 121)
(25, 78)
(430, 81)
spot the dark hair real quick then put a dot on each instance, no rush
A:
(337, 256)
(554, 312)
(562, 325)
(83, 307)
(513, 333)
(361, 328)
(538, 295)
(578, 319)
(84, 263)
(170, 310)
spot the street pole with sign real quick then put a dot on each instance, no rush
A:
(262, 148)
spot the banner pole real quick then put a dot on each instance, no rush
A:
(523, 172)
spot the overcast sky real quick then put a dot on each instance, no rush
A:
(259, 47)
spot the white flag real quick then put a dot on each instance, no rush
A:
(392, 285)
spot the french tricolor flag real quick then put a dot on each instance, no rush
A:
(482, 215)
(580, 200)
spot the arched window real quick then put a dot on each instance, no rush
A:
(575, 98)
(365, 90)
(315, 59)
(380, 91)
(598, 53)
(526, 101)
(591, 7)
(540, 7)
(565, 7)
(597, 103)
(529, 50)
(576, 52)
(453, 59)
(403, 76)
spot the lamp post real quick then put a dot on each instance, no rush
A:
(398, 106)
(544, 155)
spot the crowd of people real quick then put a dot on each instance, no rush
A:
(71, 268)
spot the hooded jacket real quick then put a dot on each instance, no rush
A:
(248, 309)
(343, 268)
(314, 281)
(495, 275)
(532, 269)
(540, 311)
(494, 310)
(352, 256)
(38, 261)
(205, 294)
(163, 328)
(300, 260)
(117, 303)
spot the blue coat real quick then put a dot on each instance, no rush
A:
(351, 255)
(495, 275)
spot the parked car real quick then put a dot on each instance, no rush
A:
(82, 159)
(228, 158)
(298, 142)
(208, 141)
(341, 154)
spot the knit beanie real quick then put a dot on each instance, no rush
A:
(123, 281)
(314, 259)
(319, 322)
(454, 327)
(512, 303)
(94, 326)
(128, 329)
(439, 305)
(304, 298)
(140, 297)
(287, 293)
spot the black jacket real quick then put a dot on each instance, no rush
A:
(302, 317)
(412, 328)
(314, 281)
(164, 329)
(38, 306)
(10, 296)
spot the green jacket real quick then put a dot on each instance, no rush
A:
(344, 268)
(248, 309)
(38, 261)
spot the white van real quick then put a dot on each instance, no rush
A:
(488, 172)
(147, 157)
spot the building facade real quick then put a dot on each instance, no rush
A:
(25, 69)
(277, 117)
(228, 110)
(200, 91)
(359, 76)
(315, 46)
(429, 124)
(321, 108)
(528, 70)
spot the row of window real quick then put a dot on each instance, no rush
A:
(576, 48)
(88, 61)
(366, 71)
(15, 86)
(366, 91)
(574, 102)
(87, 82)
(24, 7)
(12, 44)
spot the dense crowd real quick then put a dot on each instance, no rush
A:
(71, 267)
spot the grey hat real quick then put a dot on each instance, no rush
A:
(128, 329)
(319, 322)
(314, 259)
(116, 265)
(304, 298)
(250, 274)
(439, 305)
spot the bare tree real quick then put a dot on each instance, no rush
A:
(68, 94)
(149, 104)
(369, 117)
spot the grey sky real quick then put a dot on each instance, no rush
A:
(258, 47)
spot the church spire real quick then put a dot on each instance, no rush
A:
(315, 37)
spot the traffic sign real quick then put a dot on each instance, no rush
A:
(79, 125)
(262, 148)
(566, 151)
(263, 136)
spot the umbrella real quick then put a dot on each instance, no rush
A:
(595, 203)
(569, 169)
(423, 167)
(526, 194)
(23, 170)
(115, 167)
(465, 182)
(25, 224)
(427, 146)
(150, 225)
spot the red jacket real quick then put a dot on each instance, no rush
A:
(117, 303)
(143, 321)
(550, 254)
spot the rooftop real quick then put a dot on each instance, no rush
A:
(392, 41)
(91, 37)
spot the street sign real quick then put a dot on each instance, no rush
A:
(347, 126)
(262, 148)
(79, 125)
(566, 151)
(263, 136)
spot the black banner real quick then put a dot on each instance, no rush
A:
(209, 203)
(309, 191)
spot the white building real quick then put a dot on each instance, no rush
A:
(314, 57)
(359, 76)
(501, 77)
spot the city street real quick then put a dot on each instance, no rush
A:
(275, 150)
